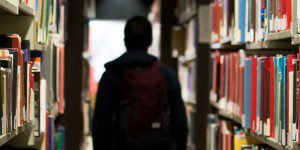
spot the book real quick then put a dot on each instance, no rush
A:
(264, 94)
(223, 134)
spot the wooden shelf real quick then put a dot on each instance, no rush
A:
(278, 35)
(268, 45)
(235, 119)
(226, 44)
(7, 137)
(296, 40)
(7, 7)
(27, 10)
(282, 45)
(214, 104)
(187, 59)
(40, 138)
(229, 116)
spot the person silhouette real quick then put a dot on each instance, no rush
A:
(139, 103)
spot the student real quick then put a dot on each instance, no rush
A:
(139, 104)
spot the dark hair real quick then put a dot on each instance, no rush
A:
(138, 33)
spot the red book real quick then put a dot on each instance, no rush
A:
(227, 141)
(219, 17)
(289, 13)
(235, 78)
(253, 94)
(241, 89)
(220, 137)
(61, 79)
(222, 74)
(272, 97)
(31, 87)
(227, 79)
(217, 63)
(265, 69)
(231, 82)
(16, 43)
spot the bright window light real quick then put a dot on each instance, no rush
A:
(106, 43)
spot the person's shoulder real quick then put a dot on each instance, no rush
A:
(167, 70)
(109, 76)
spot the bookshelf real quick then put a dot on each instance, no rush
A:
(6, 138)
(26, 10)
(263, 139)
(41, 77)
(184, 50)
(249, 26)
(278, 35)
(8, 7)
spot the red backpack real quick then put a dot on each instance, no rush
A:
(144, 110)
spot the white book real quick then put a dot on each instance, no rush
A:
(283, 137)
(32, 97)
(257, 18)
(43, 97)
(294, 135)
(297, 136)
(222, 103)
(5, 115)
(237, 32)
(247, 38)
(18, 98)
(229, 106)
(257, 125)
(260, 127)
(268, 127)
(28, 92)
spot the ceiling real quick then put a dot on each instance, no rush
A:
(122, 9)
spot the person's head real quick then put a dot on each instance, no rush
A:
(138, 34)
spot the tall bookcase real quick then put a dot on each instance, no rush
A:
(253, 32)
(192, 58)
(42, 24)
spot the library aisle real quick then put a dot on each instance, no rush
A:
(237, 61)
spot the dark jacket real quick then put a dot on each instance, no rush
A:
(104, 126)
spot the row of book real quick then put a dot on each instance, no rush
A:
(261, 90)
(50, 17)
(31, 85)
(249, 20)
(17, 83)
(221, 13)
(49, 85)
(223, 135)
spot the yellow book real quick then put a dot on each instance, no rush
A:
(239, 140)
